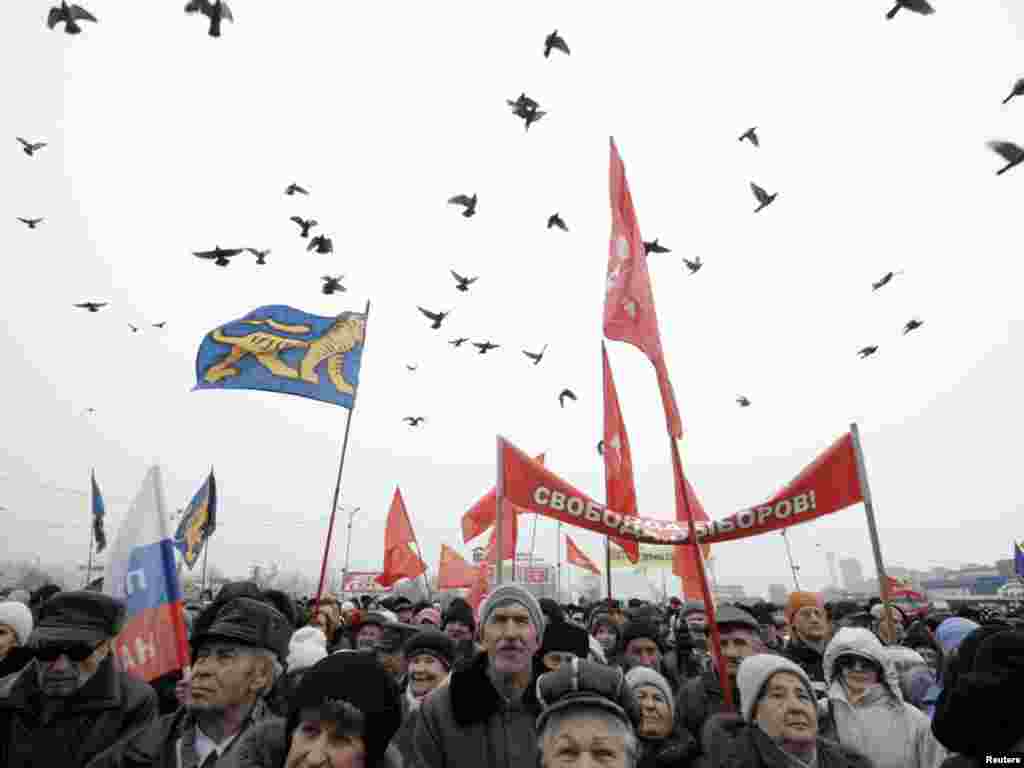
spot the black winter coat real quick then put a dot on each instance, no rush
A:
(265, 746)
(678, 750)
(730, 742)
(699, 699)
(809, 659)
(110, 705)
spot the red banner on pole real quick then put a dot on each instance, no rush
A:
(481, 515)
(828, 485)
(576, 556)
(619, 488)
(400, 562)
(453, 571)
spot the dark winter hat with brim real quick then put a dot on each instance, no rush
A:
(431, 642)
(586, 684)
(249, 622)
(354, 690)
(78, 617)
(640, 628)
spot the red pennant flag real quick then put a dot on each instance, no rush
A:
(481, 515)
(400, 562)
(684, 560)
(453, 571)
(481, 584)
(575, 556)
(620, 490)
(629, 313)
(509, 533)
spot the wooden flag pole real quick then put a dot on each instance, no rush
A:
(608, 564)
(337, 484)
(869, 510)
(88, 567)
(499, 487)
(206, 553)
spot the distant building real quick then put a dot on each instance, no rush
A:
(778, 594)
(728, 593)
(852, 572)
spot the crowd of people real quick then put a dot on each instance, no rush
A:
(518, 683)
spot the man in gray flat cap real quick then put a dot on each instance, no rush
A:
(488, 708)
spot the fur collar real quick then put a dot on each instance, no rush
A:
(474, 697)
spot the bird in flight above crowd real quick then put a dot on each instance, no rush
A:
(70, 15)
(917, 6)
(321, 244)
(655, 247)
(566, 393)
(536, 356)
(462, 283)
(216, 11)
(555, 220)
(912, 325)
(30, 223)
(485, 346)
(694, 266)
(411, 368)
(751, 135)
(866, 352)
(92, 306)
(468, 203)
(555, 42)
(135, 328)
(884, 281)
(458, 342)
(1010, 152)
(526, 108)
(763, 198)
(436, 318)
(294, 188)
(261, 256)
(333, 284)
(30, 147)
(161, 324)
(88, 411)
(220, 256)
(414, 421)
(743, 401)
(304, 224)
(600, 447)
(1018, 90)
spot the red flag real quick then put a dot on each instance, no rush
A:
(400, 562)
(481, 515)
(629, 313)
(481, 584)
(684, 560)
(509, 533)
(453, 571)
(575, 556)
(620, 490)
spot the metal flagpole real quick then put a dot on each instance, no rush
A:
(88, 567)
(608, 564)
(869, 510)
(499, 487)
(337, 484)
(558, 561)
(206, 554)
(419, 552)
(792, 566)
(92, 528)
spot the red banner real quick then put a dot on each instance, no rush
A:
(829, 484)
(453, 571)
(361, 581)
(575, 556)
(400, 562)
(619, 488)
(481, 515)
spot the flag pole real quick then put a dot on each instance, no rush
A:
(869, 510)
(88, 567)
(499, 488)
(416, 541)
(206, 553)
(337, 484)
(608, 564)
(558, 561)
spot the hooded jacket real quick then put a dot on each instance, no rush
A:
(882, 726)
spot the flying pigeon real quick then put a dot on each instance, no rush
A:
(161, 324)
(304, 224)
(261, 256)
(743, 401)
(1010, 152)
(751, 135)
(30, 223)
(414, 421)
(694, 266)
(30, 148)
(217, 11)
(912, 325)
(333, 284)
(884, 280)
(92, 306)
(763, 198)
(469, 203)
(463, 283)
(321, 244)
(536, 356)
(89, 411)
(1018, 90)
(532, 117)
(436, 317)
(294, 188)
(654, 247)
(458, 342)
(554, 220)
(565, 393)
(135, 328)
(917, 6)
(522, 105)
(485, 347)
(554, 42)
(411, 368)
(69, 14)
(865, 352)
(218, 255)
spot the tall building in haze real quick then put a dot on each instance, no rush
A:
(853, 574)
(778, 594)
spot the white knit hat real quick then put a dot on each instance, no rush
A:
(640, 676)
(754, 673)
(307, 646)
(18, 617)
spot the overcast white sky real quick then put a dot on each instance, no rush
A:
(164, 141)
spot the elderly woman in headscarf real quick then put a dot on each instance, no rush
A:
(664, 742)
(343, 715)
(865, 709)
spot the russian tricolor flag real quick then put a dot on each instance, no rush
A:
(141, 571)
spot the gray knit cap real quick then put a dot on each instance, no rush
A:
(514, 593)
(640, 676)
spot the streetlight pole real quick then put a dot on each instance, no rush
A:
(348, 546)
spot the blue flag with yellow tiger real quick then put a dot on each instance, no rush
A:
(1018, 560)
(198, 522)
(282, 349)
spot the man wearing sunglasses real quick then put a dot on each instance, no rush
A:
(72, 701)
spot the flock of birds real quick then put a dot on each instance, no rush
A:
(530, 112)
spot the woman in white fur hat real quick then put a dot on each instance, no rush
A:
(15, 626)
